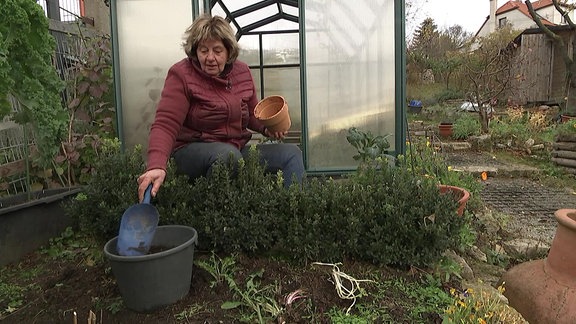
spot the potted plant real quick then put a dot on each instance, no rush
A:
(369, 146)
(415, 106)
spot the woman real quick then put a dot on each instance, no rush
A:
(206, 110)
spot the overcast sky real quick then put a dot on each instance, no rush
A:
(470, 14)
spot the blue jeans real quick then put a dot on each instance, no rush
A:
(197, 159)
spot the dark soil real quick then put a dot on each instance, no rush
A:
(64, 287)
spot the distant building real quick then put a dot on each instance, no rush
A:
(515, 13)
(92, 13)
(539, 74)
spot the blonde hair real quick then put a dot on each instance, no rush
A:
(206, 27)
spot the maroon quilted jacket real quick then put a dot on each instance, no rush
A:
(195, 107)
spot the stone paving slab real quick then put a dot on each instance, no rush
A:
(478, 162)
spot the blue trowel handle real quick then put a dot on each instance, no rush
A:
(147, 194)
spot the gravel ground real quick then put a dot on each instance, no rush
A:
(529, 204)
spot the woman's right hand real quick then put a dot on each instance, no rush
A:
(154, 176)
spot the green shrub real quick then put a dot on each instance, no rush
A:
(113, 189)
(427, 93)
(567, 128)
(465, 126)
(449, 94)
(379, 214)
(510, 133)
(408, 221)
(238, 213)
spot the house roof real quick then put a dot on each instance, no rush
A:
(521, 6)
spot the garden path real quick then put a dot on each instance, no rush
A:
(511, 189)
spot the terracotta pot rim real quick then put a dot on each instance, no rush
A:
(562, 217)
(462, 201)
(258, 109)
(279, 120)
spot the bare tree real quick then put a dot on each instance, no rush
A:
(567, 53)
(488, 70)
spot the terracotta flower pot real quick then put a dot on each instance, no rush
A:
(445, 130)
(544, 291)
(460, 194)
(272, 111)
(566, 118)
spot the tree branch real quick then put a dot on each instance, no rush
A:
(564, 14)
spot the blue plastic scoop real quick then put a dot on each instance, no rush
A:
(137, 227)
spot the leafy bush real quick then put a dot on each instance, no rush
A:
(449, 94)
(427, 93)
(91, 110)
(567, 128)
(408, 222)
(113, 189)
(510, 133)
(465, 126)
(380, 214)
(28, 76)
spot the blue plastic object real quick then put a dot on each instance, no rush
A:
(415, 103)
(137, 227)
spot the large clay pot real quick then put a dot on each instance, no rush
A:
(460, 194)
(272, 111)
(544, 291)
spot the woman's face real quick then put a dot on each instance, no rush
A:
(212, 55)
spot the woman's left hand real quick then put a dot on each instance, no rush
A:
(275, 135)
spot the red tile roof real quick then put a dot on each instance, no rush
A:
(521, 6)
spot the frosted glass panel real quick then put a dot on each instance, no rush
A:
(149, 42)
(249, 50)
(281, 49)
(350, 75)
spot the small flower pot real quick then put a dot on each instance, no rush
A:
(544, 291)
(272, 111)
(148, 282)
(460, 194)
(445, 130)
(566, 118)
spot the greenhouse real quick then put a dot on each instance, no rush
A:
(338, 64)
